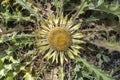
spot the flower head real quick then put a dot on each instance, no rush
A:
(58, 39)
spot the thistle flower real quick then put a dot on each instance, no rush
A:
(58, 39)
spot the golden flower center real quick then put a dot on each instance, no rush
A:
(59, 38)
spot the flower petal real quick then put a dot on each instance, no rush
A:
(70, 54)
(54, 56)
(69, 23)
(61, 57)
(76, 47)
(77, 41)
(63, 21)
(65, 57)
(43, 49)
(78, 35)
(74, 51)
(48, 54)
(75, 27)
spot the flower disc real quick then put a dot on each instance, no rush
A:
(59, 38)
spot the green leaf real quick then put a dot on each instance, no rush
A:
(28, 76)
(106, 58)
(84, 4)
(29, 6)
(113, 8)
(100, 2)
(77, 68)
(1, 64)
(8, 66)
(9, 78)
(79, 76)
(2, 73)
(4, 38)
(98, 72)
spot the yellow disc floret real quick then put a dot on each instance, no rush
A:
(59, 38)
